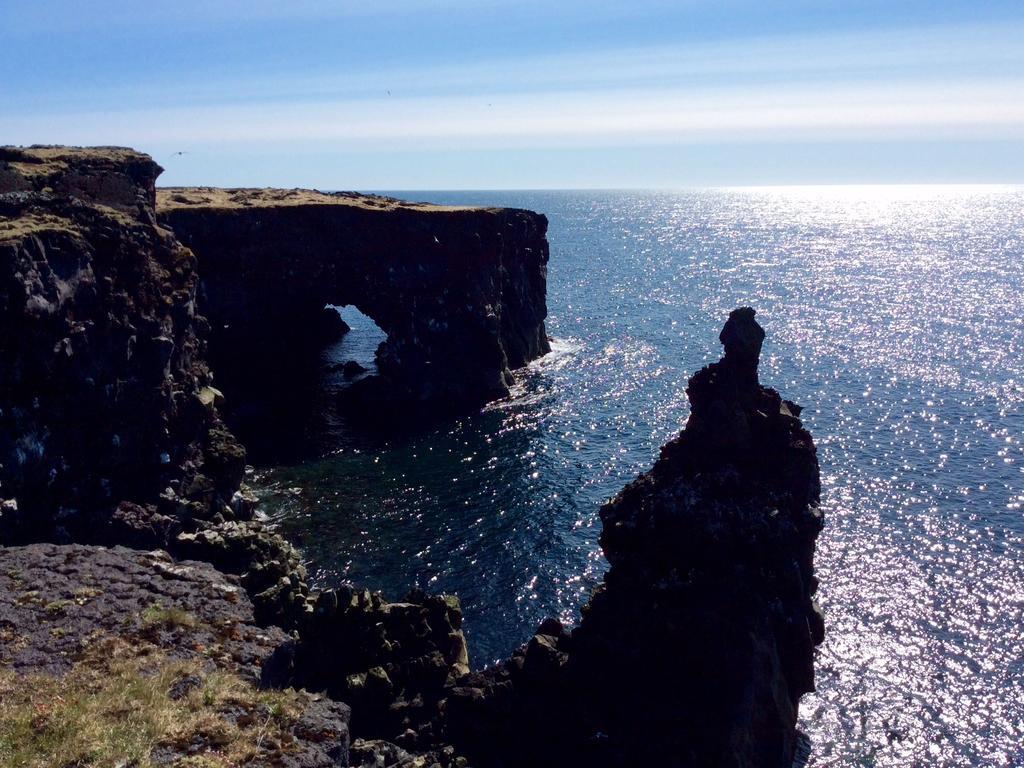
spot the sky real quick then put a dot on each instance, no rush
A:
(564, 94)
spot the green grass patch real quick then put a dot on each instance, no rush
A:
(169, 618)
(58, 607)
(114, 707)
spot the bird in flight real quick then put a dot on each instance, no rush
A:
(179, 153)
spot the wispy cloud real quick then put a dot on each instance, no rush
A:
(973, 108)
(929, 54)
(954, 83)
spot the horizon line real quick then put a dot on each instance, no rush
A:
(959, 185)
(902, 186)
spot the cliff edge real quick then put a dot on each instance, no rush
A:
(460, 292)
(104, 390)
(111, 436)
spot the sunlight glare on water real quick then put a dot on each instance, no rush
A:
(894, 315)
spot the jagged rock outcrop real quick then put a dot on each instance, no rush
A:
(391, 661)
(110, 430)
(102, 367)
(460, 292)
(696, 648)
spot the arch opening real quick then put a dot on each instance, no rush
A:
(358, 344)
(282, 375)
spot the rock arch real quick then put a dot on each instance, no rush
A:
(460, 292)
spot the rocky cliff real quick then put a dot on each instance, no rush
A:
(111, 434)
(460, 292)
(110, 431)
(698, 645)
(694, 651)
(103, 386)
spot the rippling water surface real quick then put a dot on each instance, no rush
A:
(895, 316)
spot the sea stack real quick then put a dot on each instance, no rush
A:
(696, 648)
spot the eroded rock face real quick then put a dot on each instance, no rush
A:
(461, 292)
(110, 430)
(696, 648)
(694, 651)
(99, 342)
(393, 662)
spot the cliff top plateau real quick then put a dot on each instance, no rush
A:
(171, 198)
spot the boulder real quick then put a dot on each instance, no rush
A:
(351, 369)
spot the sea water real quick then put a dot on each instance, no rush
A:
(895, 316)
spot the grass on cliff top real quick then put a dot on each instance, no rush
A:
(171, 618)
(115, 706)
(218, 198)
(34, 223)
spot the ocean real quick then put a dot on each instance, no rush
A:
(895, 316)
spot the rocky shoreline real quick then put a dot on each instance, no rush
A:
(114, 451)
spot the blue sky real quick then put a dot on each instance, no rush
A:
(479, 94)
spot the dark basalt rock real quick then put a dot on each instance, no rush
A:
(111, 433)
(269, 568)
(696, 648)
(329, 326)
(351, 369)
(390, 661)
(460, 292)
(100, 343)
(108, 590)
(110, 429)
